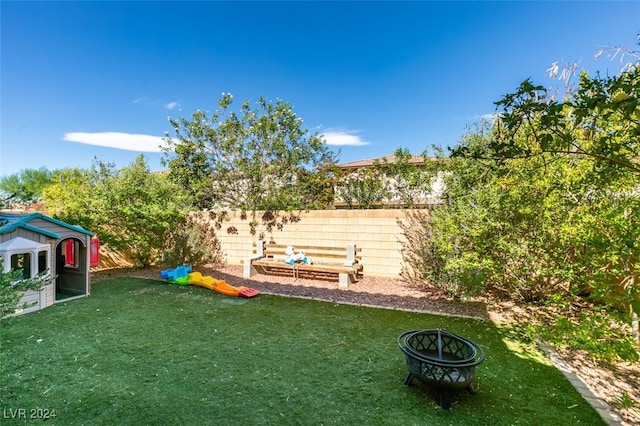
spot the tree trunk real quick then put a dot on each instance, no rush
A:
(635, 329)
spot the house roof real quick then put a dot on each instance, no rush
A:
(12, 221)
(415, 159)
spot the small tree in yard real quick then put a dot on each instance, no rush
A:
(193, 243)
(253, 159)
(13, 286)
(132, 210)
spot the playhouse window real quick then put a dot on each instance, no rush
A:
(22, 261)
(42, 261)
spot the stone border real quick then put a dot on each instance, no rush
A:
(605, 411)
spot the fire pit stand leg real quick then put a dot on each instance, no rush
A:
(445, 398)
(408, 380)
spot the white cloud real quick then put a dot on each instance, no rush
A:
(171, 105)
(340, 138)
(480, 117)
(118, 140)
(489, 117)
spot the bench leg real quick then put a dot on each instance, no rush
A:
(248, 269)
(343, 281)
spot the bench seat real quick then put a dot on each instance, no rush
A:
(326, 262)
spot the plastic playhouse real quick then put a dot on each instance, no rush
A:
(182, 275)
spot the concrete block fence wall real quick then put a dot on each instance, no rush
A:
(375, 231)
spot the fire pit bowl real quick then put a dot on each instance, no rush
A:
(440, 359)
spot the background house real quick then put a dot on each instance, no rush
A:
(379, 182)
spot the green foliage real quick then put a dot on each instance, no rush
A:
(72, 197)
(363, 189)
(192, 243)
(130, 209)
(407, 182)
(316, 188)
(626, 401)
(545, 203)
(597, 126)
(530, 228)
(460, 246)
(254, 159)
(600, 121)
(25, 186)
(599, 331)
(139, 210)
(396, 180)
(12, 287)
(594, 331)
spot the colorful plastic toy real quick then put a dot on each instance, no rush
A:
(182, 275)
(172, 275)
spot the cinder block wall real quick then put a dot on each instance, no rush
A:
(375, 231)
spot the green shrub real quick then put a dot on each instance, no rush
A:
(12, 287)
(597, 332)
(192, 243)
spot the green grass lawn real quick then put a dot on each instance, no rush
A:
(146, 352)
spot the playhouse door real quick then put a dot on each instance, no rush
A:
(71, 269)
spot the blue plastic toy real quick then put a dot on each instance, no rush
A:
(172, 275)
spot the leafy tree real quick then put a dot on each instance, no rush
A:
(193, 243)
(450, 246)
(364, 188)
(131, 209)
(599, 122)
(12, 287)
(138, 210)
(534, 229)
(25, 186)
(254, 159)
(398, 179)
(317, 187)
(71, 196)
(407, 181)
(190, 168)
(585, 152)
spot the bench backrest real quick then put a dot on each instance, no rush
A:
(347, 255)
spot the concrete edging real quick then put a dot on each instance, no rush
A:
(605, 411)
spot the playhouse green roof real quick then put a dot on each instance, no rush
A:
(12, 221)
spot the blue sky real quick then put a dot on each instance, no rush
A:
(85, 80)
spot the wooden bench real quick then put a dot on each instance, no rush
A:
(268, 258)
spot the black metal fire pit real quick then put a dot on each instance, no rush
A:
(440, 359)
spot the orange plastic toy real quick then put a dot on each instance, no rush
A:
(221, 286)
